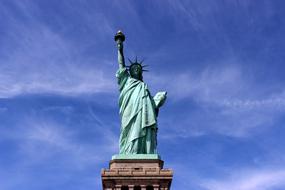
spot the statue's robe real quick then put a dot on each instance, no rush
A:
(138, 116)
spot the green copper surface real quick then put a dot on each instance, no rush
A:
(136, 156)
(138, 110)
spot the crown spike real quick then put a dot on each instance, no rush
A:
(142, 61)
(137, 63)
(130, 61)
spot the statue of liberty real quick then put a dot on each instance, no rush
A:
(138, 109)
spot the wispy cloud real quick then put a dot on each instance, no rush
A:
(72, 145)
(40, 139)
(43, 140)
(266, 177)
(210, 85)
(39, 59)
(249, 180)
(181, 8)
(233, 103)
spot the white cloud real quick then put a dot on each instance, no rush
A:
(40, 60)
(40, 140)
(249, 180)
(179, 8)
(276, 101)
(45, 65)
(230, 102)
(211, 85)
(48, 146)
(216, 82)
(69, 82)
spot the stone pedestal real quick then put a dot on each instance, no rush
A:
(136, 174)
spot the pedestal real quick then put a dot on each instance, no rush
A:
(136, 174)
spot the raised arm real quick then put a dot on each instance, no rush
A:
(120, 38)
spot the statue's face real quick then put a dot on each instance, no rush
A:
(136, 72)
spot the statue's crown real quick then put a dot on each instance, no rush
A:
(136, 62)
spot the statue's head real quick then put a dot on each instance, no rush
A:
(136, 69)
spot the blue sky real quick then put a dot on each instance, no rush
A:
(222, 63)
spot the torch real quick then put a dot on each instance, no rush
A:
(120, 37)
